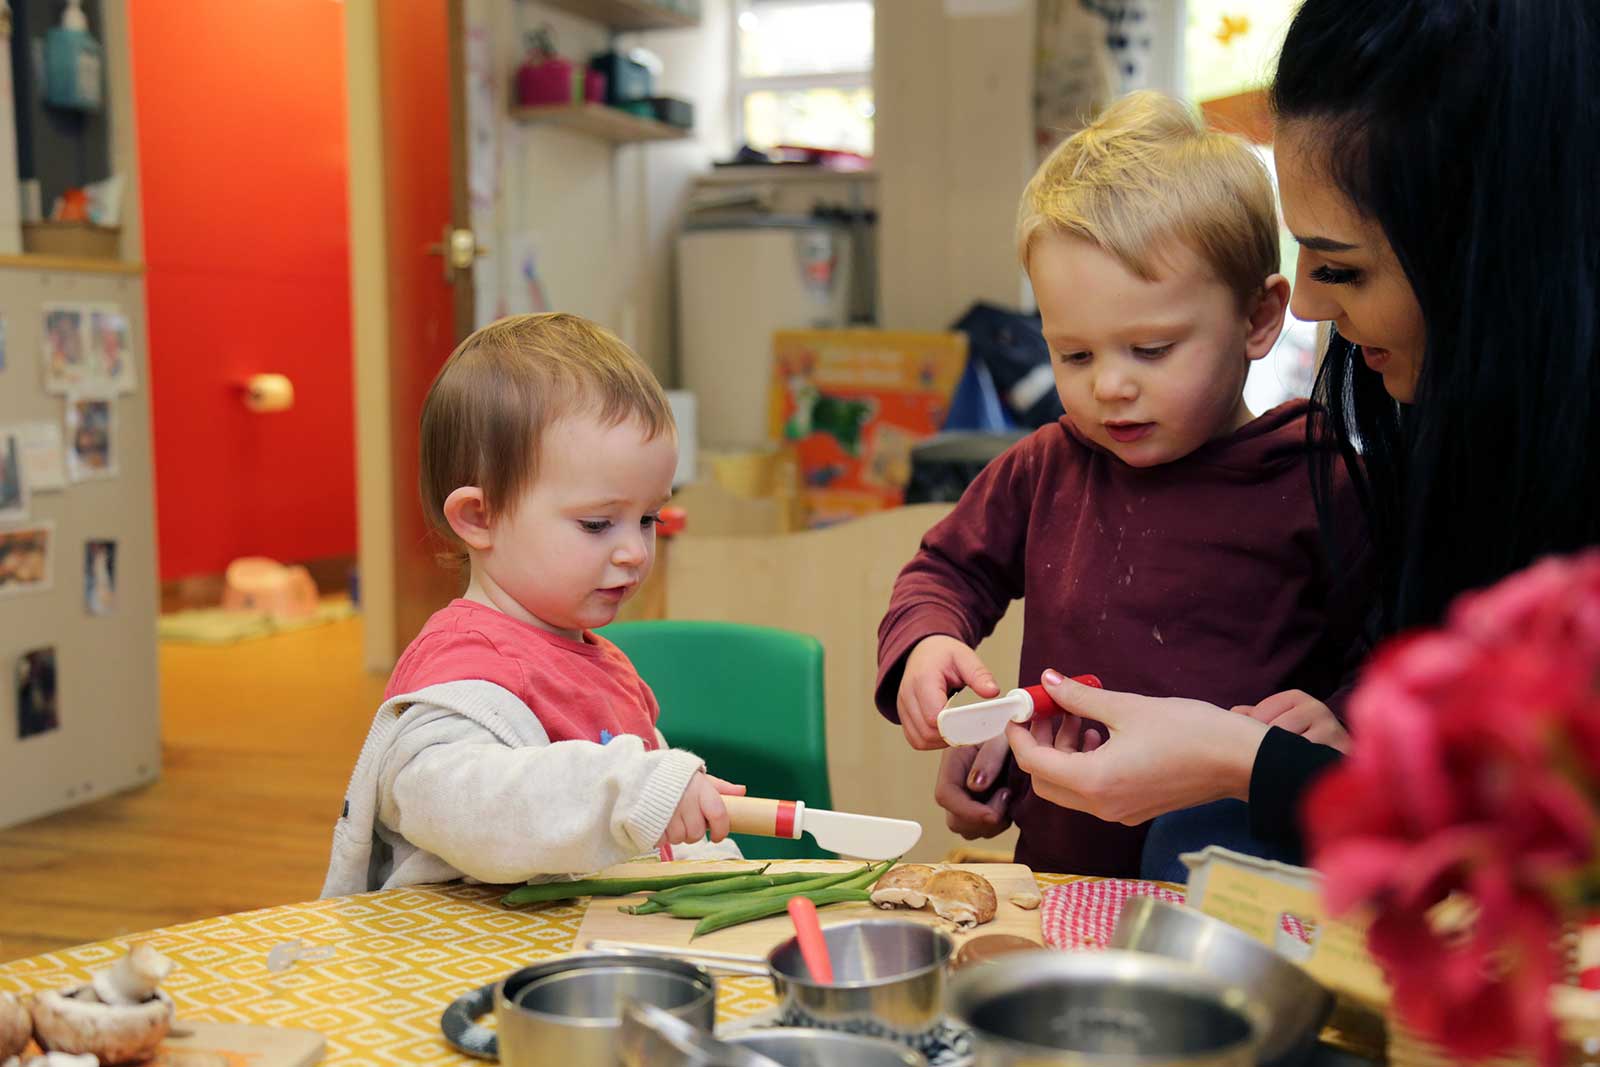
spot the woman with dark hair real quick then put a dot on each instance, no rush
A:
(1437, 162)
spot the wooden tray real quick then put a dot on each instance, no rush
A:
(604, 922)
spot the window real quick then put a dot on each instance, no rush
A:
(803, 73)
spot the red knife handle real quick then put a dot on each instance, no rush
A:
(1045, 706)
(764, 818)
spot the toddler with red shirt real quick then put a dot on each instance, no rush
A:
(514, 742)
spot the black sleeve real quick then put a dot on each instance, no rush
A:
(1286, 766)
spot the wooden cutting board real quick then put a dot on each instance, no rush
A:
(198, 1044)
(604, 922)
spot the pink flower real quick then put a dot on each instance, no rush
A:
(1475, 770)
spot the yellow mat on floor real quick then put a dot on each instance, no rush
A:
(216, 626)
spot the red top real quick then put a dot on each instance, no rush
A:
(1205, 577)
(580, 690)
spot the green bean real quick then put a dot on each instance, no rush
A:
(761, 909)
(659, 901)
(732, 885)
(869, 877)
(698, 907)
(545, 892)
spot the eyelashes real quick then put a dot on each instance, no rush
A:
(1335, 275)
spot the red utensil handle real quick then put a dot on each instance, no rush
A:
(1045, 706)
(762, 817)
(813, 946)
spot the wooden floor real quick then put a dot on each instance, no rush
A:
(258, 740)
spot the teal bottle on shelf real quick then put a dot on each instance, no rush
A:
(74, 66)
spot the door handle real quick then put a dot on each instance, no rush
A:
(459, 248)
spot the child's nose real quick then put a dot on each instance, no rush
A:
(630, 551)
(1114, 384)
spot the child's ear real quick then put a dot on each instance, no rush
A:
(468, 516)
(1266, 317)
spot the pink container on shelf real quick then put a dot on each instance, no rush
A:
(594, 86)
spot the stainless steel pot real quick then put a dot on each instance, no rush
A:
(1296, 1004)
(567, 1012)
(889, 979)
(1103, 1009)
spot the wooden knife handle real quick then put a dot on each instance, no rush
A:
(764, 818)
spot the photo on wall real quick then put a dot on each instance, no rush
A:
(25, 558)
(100, 577)
(37, 712)
(91, 438)
(44, 463)
(66, 364)
(110, 356)
(13, 476)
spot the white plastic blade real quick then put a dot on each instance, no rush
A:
(973, 724)
(867, 837)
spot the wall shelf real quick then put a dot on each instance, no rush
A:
(626, 15)
(78, 264)
(598, 120)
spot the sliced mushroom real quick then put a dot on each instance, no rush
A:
(1026, 901)
(903, 887)
(133, 978)
(16, 1027)
(962, 897)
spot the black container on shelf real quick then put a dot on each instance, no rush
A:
(626, 79)
(673, 112)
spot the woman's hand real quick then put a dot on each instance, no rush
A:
(1128, 758)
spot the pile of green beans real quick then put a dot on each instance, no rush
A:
(546, 892)
(717, 899)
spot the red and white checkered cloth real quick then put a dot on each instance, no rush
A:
(1083, 914)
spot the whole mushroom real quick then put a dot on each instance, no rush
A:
(119, 1017)
(16, 1027)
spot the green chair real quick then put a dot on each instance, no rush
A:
(749, 701)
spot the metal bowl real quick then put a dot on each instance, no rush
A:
(1099, 1009)
(889, 978)
(1296, 1004)
(569, 1010)
(800, 1047)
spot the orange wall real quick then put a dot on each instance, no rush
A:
(243, 150)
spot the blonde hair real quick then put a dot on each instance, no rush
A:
(486, 414)
(1147, 172)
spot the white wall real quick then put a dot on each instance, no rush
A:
(954, 150)
(600, 217)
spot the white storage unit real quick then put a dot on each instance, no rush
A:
(738, 282)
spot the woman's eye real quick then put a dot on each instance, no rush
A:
(650, 520)
(595, 525)
(1151, 351)
(1335, 275)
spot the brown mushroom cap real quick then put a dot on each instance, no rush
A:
(116, 1033)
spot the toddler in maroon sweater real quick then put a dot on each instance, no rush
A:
(1164, 538)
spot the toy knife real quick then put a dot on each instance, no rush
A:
(867, 837)
(974, 724)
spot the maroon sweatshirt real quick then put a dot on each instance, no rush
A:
(1206, 577)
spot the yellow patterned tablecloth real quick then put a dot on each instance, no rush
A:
(400, 956)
